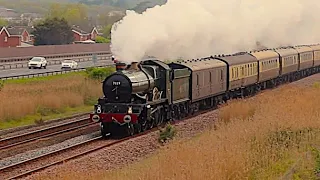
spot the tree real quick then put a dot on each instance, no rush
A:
(100, 39)
(3, 22)
(109, 19)
(107, 31)
(53, 31)
(73, 13)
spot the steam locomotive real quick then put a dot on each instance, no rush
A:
(135, 98)
(143, 95)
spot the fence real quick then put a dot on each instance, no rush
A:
(58, 60)
(51, 73)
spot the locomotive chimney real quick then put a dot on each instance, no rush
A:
(120, 66)
(134, 66)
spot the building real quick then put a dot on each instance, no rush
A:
(7, 40)
(20, 31)
(18, 36)
(84, 33)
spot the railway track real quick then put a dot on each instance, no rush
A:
(53, 158)
(24, 138)
(13, 171)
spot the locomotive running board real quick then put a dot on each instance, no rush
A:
(156, 102)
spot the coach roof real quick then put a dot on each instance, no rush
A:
(302, 49)
(315, 47)
(265, 54)
(287, 51)
(203, 63)
(238, 58)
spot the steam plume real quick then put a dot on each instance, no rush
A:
(198, 28)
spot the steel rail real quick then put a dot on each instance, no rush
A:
(41, 133)
(47, 135)
(14, 165)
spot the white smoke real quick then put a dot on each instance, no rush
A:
(199, 28)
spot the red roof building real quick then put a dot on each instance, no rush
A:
(20, 31)
(8, 40)
(84, 33)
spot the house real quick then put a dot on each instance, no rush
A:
(84, 33)
(8, 40)
(20, 31)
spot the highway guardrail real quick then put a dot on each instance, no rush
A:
(50, 73)
(58, 60)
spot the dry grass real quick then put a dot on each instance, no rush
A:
(258, 138)
(51, 95)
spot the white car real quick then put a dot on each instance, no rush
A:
(37, 62)
(69, 64)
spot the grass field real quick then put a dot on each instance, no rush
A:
(266, 137)
(26, 101)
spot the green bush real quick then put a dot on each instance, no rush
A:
(100, 39)
(167, 133)
(316, 85)
(99, 73)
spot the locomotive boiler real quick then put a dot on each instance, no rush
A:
(128, 85)
(132, 98)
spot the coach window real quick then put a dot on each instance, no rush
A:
(238, 72)
(245, 70)
(210, 78)
(232, 76)
(197, 79)
(255, 68)
(270, 63)
(221, 74)
(273, 63)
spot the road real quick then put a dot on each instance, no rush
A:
(50, 68)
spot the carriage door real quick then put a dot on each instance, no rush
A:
(243, 80)
(221, 79)
(210, 82)
(197, 85)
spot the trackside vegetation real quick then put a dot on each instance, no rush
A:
(275, 134)
(34, 100)
(167, 133)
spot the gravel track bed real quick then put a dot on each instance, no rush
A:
(307, 82)
(49, 159)
(24, 129)
(46, 141)
(128, 151)
(136, 149)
